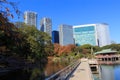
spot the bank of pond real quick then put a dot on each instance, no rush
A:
(106, 71)
(109, 72)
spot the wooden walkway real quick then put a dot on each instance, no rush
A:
(82, 72)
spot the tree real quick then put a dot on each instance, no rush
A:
(86, 50)
(6, 8)
(56, 48)
(39, 42)
(86, 46)
(96, 48)
(112, 46)
(10, 38)
(63, 50)
(39, 46)
(25, 42)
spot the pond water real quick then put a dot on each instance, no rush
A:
(109, 72)
(26, 74)
(53, 67)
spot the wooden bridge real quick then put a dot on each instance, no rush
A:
(82, 72)
(79, 70)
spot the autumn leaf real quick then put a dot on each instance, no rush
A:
(7, 9)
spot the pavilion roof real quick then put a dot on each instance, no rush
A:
(108, 51)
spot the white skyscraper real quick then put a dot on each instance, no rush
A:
(46, 25)
(94, 34)
(30, 18)
(103, 34)
(66, 35)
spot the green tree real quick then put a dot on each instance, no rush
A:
(112, 46)
(40, 46)
(96, 48)
(10, 38)
(86, 46)
(39, 42)
(25, 42)
(78, 49)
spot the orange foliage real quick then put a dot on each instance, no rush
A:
(59, 50)
(9, 35)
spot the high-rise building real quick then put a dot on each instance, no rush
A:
(55, 37)
(65, 35)
(30, 18)
(46, 25)
(19, 24)
(94, 34)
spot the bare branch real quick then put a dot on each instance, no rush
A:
(5, 11)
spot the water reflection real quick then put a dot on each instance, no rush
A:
(117, 72)
(52, 67)
(107, 72)
(110, 72)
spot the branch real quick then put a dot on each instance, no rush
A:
(5, 11)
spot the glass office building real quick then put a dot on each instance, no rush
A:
(55, 37)
(46, 25)
(30, 18)
(94, 34)
(65, 35)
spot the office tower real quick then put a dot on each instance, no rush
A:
(30, 18)
(55, 37)
(94, 34)
(19, 24)
(46, 25)
(65, 35)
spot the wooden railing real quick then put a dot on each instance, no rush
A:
(64, 73)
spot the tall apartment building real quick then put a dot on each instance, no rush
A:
(46, 25)
(30, 18)
(94, 34)
(65, 35)
(55, 37)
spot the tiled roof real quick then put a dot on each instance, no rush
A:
(106, 51)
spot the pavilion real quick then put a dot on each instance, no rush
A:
(107, 55)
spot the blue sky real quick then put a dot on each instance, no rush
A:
(76, 12)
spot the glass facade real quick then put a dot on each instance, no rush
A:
(103, 34)
(84, 35)
(94, 34)
(30, 18)
(46, 26)
(66, 35)
(55, 37)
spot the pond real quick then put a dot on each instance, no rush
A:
(53, 67)
(109, 72)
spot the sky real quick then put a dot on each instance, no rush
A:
(76, 12)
